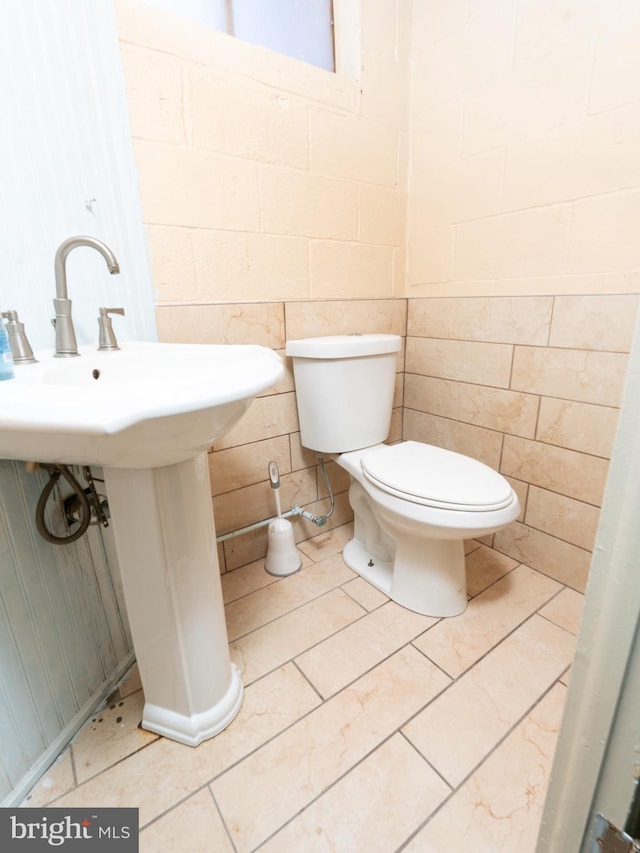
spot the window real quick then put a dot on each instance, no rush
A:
(299, 28)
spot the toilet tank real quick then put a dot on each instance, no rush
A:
(344, 389)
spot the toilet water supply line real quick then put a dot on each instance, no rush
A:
(274, 480)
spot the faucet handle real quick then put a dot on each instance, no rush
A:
(20, 346)
(107, 339)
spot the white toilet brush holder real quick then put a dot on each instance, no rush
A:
(283, 557)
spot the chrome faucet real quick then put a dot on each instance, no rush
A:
(66, 344)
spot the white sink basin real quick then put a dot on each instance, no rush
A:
(143, 406)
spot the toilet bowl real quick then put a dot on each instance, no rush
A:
(414, 504)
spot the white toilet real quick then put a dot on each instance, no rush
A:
(413, 504)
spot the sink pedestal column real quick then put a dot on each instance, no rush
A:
(165, 539)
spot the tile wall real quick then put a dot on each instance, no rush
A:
(238, 462)
(531, 386)
(484, 152)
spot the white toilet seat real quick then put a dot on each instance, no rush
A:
(435, 477)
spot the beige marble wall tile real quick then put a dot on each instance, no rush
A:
(522, 491)
(339, 479)
(322, 747)
(327, 543)
(477, 442)
(265, 605)
(485, 566)
(223, 324)
(395, 429)
(495, 408)
(342, 514)
(273, 644)
(249, 549)
(245, 506)
(342, 317)
(568, 519)
(456, 644)
(196, 819)
(560, 560)
(566, 472)
(577, 426)
(300, 456)
(246, 464)
(266, 417)
(357, 813)
(588, 377)
(465, 361)
(463, 725)
(340, 659)
(594, 322)
(156, 778)
(245, 580)
(565, 610)
(500, 806)
(504, 319)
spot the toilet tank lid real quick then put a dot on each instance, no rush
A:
(343, 346)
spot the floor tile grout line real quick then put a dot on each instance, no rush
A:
(322, 701)
(396, 731)
(322, 698)
(535, 612)
(299, 607)
(424, 758)
(484, 759)
(338, 779)
(223, 821)
(292, 661)
(292, 609)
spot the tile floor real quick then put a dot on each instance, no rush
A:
(364, 726)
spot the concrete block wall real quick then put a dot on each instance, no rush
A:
(265, 178)
(486, 150)
(525, 175)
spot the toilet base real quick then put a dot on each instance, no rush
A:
(427, 576)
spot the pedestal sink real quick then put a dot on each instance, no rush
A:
(147, 414)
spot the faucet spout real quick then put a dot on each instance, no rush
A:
(66, 344)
